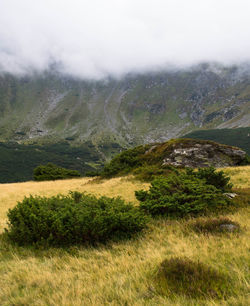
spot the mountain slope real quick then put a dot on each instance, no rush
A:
(133, 110)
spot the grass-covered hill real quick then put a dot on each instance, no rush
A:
(161, 158)
(238, 137)
(130, 272)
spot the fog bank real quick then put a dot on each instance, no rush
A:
(94, 39)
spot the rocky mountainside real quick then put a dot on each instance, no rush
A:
(133, 110)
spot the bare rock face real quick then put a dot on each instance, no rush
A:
(203, 154)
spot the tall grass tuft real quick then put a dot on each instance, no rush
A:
(182, 276)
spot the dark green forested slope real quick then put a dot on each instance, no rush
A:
(233, 137)
(17, 161)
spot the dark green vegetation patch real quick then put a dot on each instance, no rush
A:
(212, 177)
(182, 276)
(77, 218)
(51, 172)
(17, 161)
(124, 162)
(233, 137)
(186, 193)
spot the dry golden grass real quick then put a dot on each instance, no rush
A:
(118, 273)
(11, 193)
(240, 176)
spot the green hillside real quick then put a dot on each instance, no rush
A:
(17, 161)
(233, 137)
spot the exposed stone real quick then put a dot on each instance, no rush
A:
(183, 115)
(228, 227)
(230, 195)
(194, 155)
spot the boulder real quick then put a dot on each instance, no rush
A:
(203, 154)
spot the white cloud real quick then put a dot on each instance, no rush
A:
(92, 39)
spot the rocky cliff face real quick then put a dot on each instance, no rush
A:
(133, 110)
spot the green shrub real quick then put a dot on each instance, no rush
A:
(216, 178)
(76, 195)
(52, 172)
(92, 173)
(246, 161)
(149, 172)
(183, 276)
(179, 195)
(124, 162)
(73, 219)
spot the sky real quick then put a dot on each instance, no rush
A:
(96, 38)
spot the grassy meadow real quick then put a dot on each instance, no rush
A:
(119, 273)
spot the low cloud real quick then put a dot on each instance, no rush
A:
(94, 39)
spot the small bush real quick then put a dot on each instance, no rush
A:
(179, 195)
(214, 225)
(246, 161)
(52, 172)
(76, 195)
(124, 162)
(92, 173)
(183, 276)
(73, 219)
(149, 172)
(212, 177)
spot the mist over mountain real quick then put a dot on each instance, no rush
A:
(106, 75)
(97, 39)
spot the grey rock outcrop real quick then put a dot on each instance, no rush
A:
(194, 155)
(228, 227)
